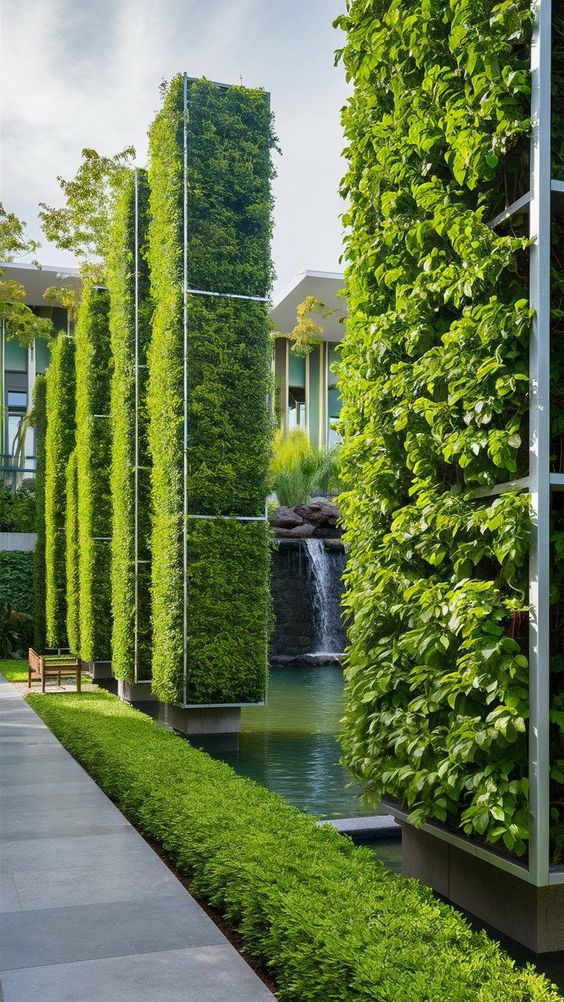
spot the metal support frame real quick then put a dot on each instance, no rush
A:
(539, 447)
(187, 290)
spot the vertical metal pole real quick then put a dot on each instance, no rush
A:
(136, 431)
(185, 375)
(539, 445)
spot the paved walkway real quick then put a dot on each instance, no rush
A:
(88, 911)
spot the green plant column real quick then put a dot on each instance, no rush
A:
(229, 137)
(434, 378)
(71, 556)
(93, 451)
(39, 566)
(60, 437)
(130, 480)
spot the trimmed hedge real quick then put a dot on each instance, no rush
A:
(325, 917)
(121, 268)
(71, 556)
(17, 579)
(61, 406)
(18, 508)
(229, 226)
(40, 429)
(434, 384)
(93, 452)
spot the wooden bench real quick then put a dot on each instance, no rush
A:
(40, 666)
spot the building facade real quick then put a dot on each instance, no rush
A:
(19, 367)
(307, 394)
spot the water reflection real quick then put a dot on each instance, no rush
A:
(290, 745)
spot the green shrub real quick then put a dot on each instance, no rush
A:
(434, 382)
(17, 509)
(229, 213)
(93, 456)
(61, 406)
(40, 426)
(298, 470)
(71, 556)
(131, 654)
(14, 670)
(16, 579)
(325, 917)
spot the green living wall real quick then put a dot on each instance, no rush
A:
(229, 138)
(59, 443)
(130, 487)
(40, 429)
(434, 381)
(93, 460)
(71, 556)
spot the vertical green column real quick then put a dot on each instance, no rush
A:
(40, 426)
(130, 323)
(59, 443)
(71, 556)
(93, 441)
(210, 611)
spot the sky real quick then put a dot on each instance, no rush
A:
(77, 73)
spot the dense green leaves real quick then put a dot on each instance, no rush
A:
(130, 487)
(40, 428)
(71, 555)
(229, 225)
(16, 580)
(434, 380)
(324, 917)
(60, 437)
(93, 457)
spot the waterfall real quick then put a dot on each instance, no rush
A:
(325, 577)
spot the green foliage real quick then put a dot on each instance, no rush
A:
(298, 470)
(271, 872)
(125, 482)
(15, 631)
(14, 670)
(308, 332)
(16, 580)
(20, 322)
(83, 224)
(229, 214)
(39, 566)
(93, 452)
(61, 406)
(17, 509)
(434, 381)
(71, 555)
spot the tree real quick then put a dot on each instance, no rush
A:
(18, 320)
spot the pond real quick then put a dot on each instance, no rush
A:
(291, 747)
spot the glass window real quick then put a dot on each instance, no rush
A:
(296, 370)
(17, 399)
(296, 407)
(42, 354)
(18, 449)
(15, 356)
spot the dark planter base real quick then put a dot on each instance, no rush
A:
(207, 720)
(532, 916)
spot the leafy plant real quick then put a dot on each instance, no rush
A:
(131, 500)
(270, 871)
(59, 443)
(17, 509)
(20, 321)
(16, 593)
(298, 470)
(93, 458)
(229, 213)
(15, 629)
(308, 332)
(434, 376)
(72, 570)
(39, 566)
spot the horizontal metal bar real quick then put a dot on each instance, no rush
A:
(214, 706)
(510, 210)
(556, 876)
(101, 415)
(557, 186)
(464, 843)
(227, 295)
(101, 539)
(232, 518)
(557, 479)
(510, 485)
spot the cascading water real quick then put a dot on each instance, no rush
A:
(326, 567)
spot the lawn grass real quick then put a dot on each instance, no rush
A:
(14, 669)
(323, 916)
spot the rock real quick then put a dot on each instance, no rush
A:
(297, 532)
(285, 518)
(318, 511)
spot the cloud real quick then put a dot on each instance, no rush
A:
(78, 74)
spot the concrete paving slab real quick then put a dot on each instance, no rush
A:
(87, 910)
(64, 886)
(205, 974)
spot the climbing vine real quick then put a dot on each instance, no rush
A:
(434, 377)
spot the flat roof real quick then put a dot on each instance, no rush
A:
(322, 285)
(36, 280)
